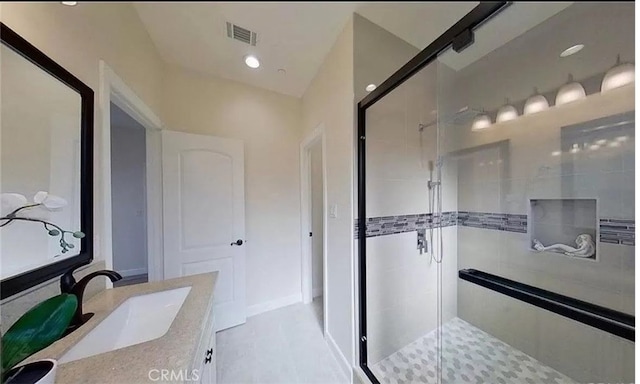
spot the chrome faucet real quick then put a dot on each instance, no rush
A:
(69, 285)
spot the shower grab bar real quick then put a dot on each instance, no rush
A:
(606, 319)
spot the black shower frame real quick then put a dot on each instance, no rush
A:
(460, 35)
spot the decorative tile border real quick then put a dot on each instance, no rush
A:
(389, 225)
(612, 231)
(498, 221)
(618, 231)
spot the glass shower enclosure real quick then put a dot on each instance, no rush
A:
(496, 225)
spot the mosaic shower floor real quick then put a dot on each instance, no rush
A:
(469, 355)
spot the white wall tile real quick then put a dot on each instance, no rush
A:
(520, 325)
(513, 196)
(385, 159)
(615, 360)
(420, 316)
(608, 188)
(469, 197)
(383, 330)
(489, 196)
(628, 191)
(628, 154)
(384, 288)
(567, 346)
(479, 249)
(391, 251)
(396, 197)
(627, 279)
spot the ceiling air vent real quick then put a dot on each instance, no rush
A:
(241, 34)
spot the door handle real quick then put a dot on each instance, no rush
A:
(238, 242)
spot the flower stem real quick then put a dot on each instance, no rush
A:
(63, 243)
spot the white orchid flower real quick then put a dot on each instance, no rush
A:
(49, 201)
(9, 202)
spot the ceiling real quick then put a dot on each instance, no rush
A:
(297, 36)
(418, 23)
(292, 36)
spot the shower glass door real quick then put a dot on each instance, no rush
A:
(500, 225)
(402, 230)
(536, 134)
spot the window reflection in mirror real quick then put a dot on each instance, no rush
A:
(39, 151)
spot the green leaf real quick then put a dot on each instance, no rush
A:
(78, 234)
(40, 327)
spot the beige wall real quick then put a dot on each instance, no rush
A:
(377, 54)
(77, 38)
(269, 124)
(328, 102)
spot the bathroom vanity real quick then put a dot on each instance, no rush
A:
(154, 332)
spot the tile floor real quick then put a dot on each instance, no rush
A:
(284, 346)
(469, 355)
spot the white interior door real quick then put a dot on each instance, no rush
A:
(203, 209)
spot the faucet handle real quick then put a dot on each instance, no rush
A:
(67, 281)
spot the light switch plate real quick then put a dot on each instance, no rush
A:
(333, 211)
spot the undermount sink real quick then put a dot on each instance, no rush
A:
(138, 319)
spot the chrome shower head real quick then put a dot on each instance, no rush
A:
(462, 117)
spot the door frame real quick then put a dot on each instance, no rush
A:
(315, 137)
(114, 90)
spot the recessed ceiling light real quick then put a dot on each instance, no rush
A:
(556, 153)
(370, 87)
(572, 50)
(69, 3)
(252, 61)
(282, 71)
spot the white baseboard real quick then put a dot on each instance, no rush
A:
(316, 292)
(133, 272)
(257, 309)
(342, 361)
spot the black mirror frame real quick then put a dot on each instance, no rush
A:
(18, 283)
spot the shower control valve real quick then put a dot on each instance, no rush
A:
(423, 245)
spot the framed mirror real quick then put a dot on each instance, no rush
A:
(46, 167)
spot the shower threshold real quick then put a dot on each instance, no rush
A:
(469, 355)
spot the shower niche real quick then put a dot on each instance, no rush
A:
(566, 227)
